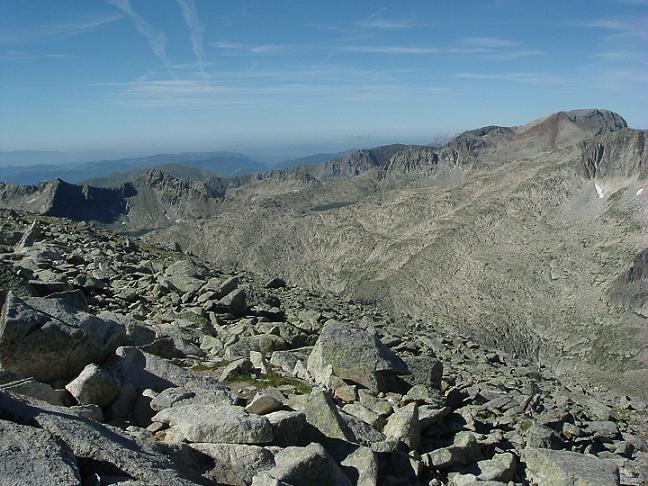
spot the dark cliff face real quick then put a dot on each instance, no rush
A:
(81, 203)
(623, 153)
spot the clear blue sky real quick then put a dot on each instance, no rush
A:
(203, 74)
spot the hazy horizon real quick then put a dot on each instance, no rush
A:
(137, 76)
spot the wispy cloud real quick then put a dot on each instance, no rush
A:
(28, 56)
(258, 84)
(417, 50)
(55, 30)
(376, 21)
(393, 49)
(488, 42)
(255, 48)
(156, 40)
(609, 24)
(521, 77)
(197, 29)
(621, 56)
(515, 54)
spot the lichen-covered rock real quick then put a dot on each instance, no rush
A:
(94, 386)
(29, 455)
(351, 353)
(287, 427)
(565, 468)
(47, 339)
(322, 413)
(304, 465)
(226, 424)
(236, 464)
(404, 425)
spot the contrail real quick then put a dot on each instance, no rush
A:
(157, 40)
(190, 14)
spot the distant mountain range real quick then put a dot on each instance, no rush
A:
(221, 163)
(33, 167)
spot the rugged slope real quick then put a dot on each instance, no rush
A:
(517, 236)
(126, 364)
(506, 234)
(152, 199)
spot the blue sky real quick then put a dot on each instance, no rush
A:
(165, 75)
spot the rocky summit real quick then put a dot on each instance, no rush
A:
(124, 363)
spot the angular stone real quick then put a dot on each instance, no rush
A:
(351, 353)
(37, 390)
(186, 275)
(263, 404)
(236, 464)
(304, 466)
(377, 405)
(361, 467)
(29, 237)
(500, 468)
(565, 468)
(242, 366)
(142, 370)
(30, 455)
(275, 283)
(364, 414)
(322, 413)
(99, 444)
(236, 302)
(404, 425)
(464, 450)
(363, 433)
(172, 397)
(94, 386)
(227, 424)
(425, 370)
(47, 339)
(287, 427)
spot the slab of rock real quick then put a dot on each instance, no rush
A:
(361, 467)
(565, 468)
(263, 404)
(239, 366)
(404, 425)
(287, 427)
(216, 424)
(186, 275)
(30, 455)
(351, 353)
(47, 339)
(236, 302)
(236, 464)
(322, 413)
(100, 444)
(29, 237)
(425, 370)
(143, 370)
(173, 397)
(500, 468)
(464, 450)
(37, 390)
(303, 465)
(94, 385)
